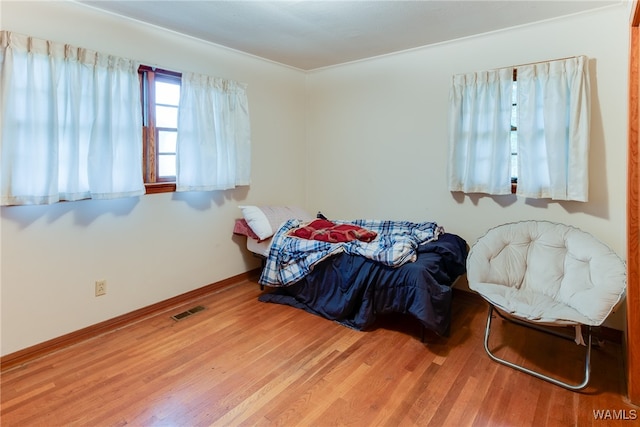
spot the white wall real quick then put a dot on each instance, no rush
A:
(153, 247)
(377, 144)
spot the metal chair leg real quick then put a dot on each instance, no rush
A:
(576, 387)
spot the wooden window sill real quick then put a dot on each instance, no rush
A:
(160, 187)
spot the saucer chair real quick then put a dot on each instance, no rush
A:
(542, 274)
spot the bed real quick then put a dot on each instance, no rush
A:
(354, 271)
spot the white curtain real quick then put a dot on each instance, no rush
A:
(214, 141)
(479, 132)
(70, 123)
(553, 129)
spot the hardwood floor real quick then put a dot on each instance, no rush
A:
(243, 362)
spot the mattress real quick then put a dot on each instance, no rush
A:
(259, 247)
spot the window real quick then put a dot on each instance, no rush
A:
(532, 128)
(73, 120)
(160, 94)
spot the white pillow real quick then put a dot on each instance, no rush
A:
(265, 220)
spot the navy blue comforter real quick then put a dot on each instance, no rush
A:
(353, 290)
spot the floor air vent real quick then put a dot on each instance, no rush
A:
(187, 313)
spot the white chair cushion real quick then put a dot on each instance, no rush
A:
(532, 306)
(547, 272)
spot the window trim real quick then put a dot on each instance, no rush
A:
(160, 187)
(514, 180)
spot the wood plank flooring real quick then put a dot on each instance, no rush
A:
(241, 362)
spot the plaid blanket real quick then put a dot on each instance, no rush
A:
(291, 258)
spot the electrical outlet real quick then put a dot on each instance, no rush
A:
(101, 287)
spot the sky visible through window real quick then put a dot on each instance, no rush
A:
(167, 100)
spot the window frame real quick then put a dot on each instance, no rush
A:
(150, 151)
(514, 128)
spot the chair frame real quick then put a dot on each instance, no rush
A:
(587, 362)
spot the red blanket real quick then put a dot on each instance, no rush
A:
(327, 231)
(242, 227)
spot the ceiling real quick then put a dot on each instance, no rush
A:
(311, 34)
